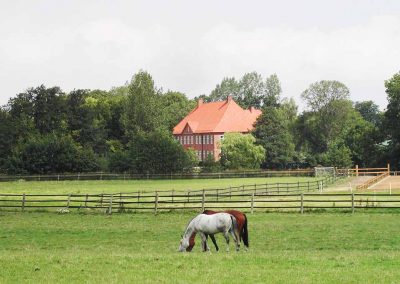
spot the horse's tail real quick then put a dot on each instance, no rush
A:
(235, 228)
(245, 233)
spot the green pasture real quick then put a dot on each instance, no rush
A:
(46, 247)
(131, 186)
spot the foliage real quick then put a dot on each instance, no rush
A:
(142, 109)
(392, 117)
(322, 93)
(250, 90)
(159, 152)
(369, 111)
(52, 154)
(338, 155)
(273, 133)
(239, 151)
(103, 128)
(210, 165)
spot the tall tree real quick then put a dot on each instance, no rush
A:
(369, 111)
(273, 91)
(322, 93)
(228, 87)
(142, 110)
(174, 106)
(272, 131)
(392, 118)
(251, 90)
(49, 112)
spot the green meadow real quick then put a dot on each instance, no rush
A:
(43, 247)
(117, 186)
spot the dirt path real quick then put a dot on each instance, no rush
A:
(387, 183)
(351, 182)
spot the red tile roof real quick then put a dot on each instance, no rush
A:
(217, 117)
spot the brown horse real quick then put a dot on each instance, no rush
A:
(242, 227)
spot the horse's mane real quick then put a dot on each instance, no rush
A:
(187, 225)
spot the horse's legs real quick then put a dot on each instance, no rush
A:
(235, 238)
(204, 245)
(214, 242)
(226, 235)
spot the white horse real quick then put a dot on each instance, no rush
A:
(204, 224)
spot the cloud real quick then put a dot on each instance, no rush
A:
(104, 52)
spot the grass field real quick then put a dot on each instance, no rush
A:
(142, 248)
(117, 186)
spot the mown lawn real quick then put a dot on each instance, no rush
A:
(117, 186)
(142, 248)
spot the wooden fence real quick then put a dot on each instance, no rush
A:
(128, 176)
(299, 196)
(200, 201)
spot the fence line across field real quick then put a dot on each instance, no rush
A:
(128, 176)
(303, 196)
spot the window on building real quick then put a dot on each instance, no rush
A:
(211, 139)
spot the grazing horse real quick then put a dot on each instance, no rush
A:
(204, 225)
(241, 219)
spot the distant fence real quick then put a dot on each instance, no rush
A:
(279, 196)
(128, 176)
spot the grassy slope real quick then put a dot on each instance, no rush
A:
(116, 186)
(285, 248)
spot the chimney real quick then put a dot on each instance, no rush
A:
(199, 102)
(229, 98)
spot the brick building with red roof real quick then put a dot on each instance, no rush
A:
(205, 126)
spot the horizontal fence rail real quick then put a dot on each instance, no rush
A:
(298, 196)
(128, 176)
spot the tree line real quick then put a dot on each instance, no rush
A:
(129, 128)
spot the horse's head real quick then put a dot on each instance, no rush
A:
(183, 245)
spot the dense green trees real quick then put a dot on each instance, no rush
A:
(239, 151)
(392, 118)
(250, 90)
(45, 130)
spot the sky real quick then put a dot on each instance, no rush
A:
(190, 46)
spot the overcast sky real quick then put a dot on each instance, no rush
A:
(189, 46)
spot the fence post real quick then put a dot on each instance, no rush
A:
(217, 193)
(156, 204)
(302, 204)
(23, 202)
(138, 196)
(86, 200)
(69, 200)
(252, 203)
(188, 196)
(352, 203)
(203, 200)
(121, 205)
(58, 177)
(110, 205)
